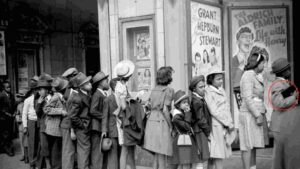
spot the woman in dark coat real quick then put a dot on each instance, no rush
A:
(185, 151)
(201, 123)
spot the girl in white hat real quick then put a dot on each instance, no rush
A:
(123, 71)
(222, 133)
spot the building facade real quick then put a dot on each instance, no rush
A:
(47, 36)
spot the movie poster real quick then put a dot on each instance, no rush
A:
(206, 36)
(257, 29)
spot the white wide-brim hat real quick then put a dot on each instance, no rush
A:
(215, 70)
(125, 68)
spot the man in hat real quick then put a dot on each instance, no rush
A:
(44, 89)
(80, 119)
(30, 124)
(100, 85)
(54, 111)
(284, 96)
(68, 135)
(109, 127)
(7, 108)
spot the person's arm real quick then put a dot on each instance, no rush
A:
(247, 87)
(74, 113)
(201, 120)
(105, 116)
(182, 125)
(96, 106)
(279, 101)
(25, 113)
(167, 105)
(215, 111)
(52, 109)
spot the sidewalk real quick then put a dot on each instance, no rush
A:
(264, 160)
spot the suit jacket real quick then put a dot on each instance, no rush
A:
(279, 102)
(80, 111)
(200, 115)
(7, 105)
(66, 121)
(109, 123)
(97, 110)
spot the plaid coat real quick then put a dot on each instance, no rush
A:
(54, 110)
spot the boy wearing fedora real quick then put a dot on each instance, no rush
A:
(68, 134)
(109, 127)
(80, 119)
(55, 110)
(44, 90)
(100, 85)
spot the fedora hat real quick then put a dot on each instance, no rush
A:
(280, 65)
(45, 80)
(70, 72)
(179, 96)
(82, 79)
(45, 77)
(59, 84)
(215, 70)
(106, 144)
(99, 76)
(125, 68)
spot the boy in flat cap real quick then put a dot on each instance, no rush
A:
(68, 134)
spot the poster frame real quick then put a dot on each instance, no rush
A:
(230, 33)
(189, 23)
(138, 22)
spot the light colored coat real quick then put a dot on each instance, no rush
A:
(280, 102)
(252, 92)
(219, 108)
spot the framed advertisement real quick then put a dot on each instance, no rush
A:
(262, 29)
(2, 54)
(206, 37)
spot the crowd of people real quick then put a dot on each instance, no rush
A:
(78, 121)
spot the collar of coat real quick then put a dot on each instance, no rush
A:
(85, 98)
(175, 112)
(101, 91)
(197, 95)
(220, 91)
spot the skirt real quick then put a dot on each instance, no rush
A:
(218, 147)
(158, 137)
(250, 134)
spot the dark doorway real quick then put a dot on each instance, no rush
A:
(92, 61)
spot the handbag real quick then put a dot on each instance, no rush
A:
(183, 139)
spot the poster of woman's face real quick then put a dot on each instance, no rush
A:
(143, 46)
(144, 78)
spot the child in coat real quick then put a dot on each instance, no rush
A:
(201, 122)
(185, 151)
